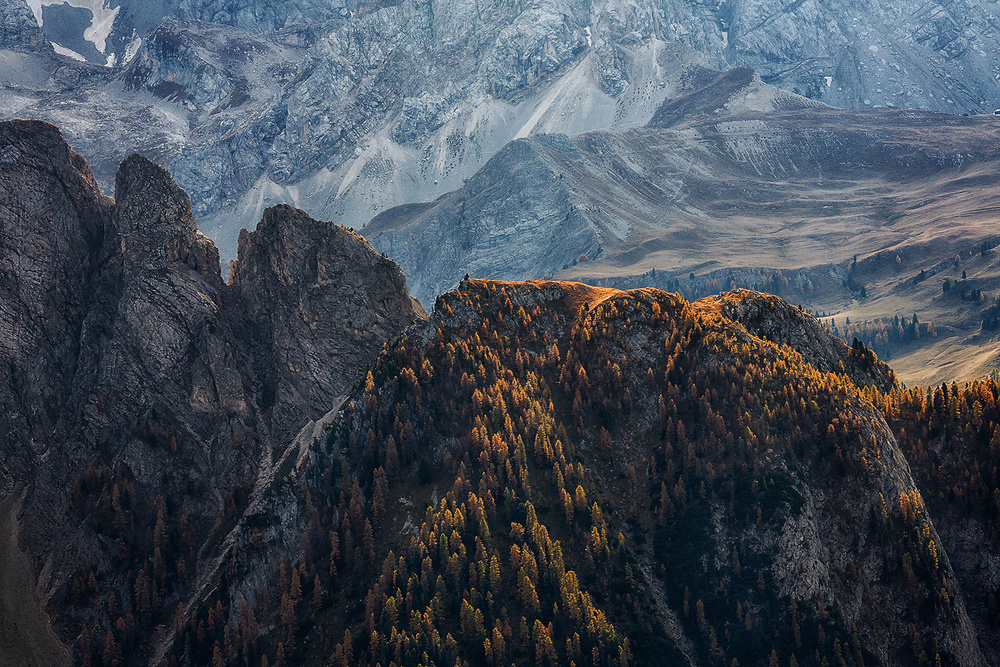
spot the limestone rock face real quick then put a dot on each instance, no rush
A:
(263, 15)
(154, 217)
(47, 265)
(320, 314)
(124, 351)
(18, 29)
(488, 228)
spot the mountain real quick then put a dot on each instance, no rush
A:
(346, 109)
(555, 472)
(144, 401)
(199, 472)
(346, 116)
(740, 184)
(851, 54)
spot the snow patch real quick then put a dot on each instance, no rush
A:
(586, 31)
(132, 48)
(829, 81)
(36, 9)
(101, 23)
(69, 53)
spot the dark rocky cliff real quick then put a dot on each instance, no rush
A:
(132, 375)
(318, 313)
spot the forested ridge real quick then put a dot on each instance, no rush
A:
(555, 474)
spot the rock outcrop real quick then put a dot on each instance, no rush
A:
(131, 369)
(267, 15)
(322, 302)
(54, 222)
(18, 29)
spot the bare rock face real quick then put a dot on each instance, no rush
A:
(46, 266)
(321, 314)
(18, 29)
(155, 220)
(131, 369)
(265, 15)
(162, 378)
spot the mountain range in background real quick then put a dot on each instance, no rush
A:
(346, 110)
(873, 215)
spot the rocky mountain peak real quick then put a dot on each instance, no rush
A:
(39, 172)
(153, 215)
(713, 93)
(131, 361)
(28, 147)
(51, 216)
(308, 287)
(277, 242)
(148, 198)
(290, 248)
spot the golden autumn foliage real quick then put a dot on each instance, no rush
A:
(509, 483)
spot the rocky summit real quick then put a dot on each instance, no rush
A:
(134, 375)
(321, 302)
